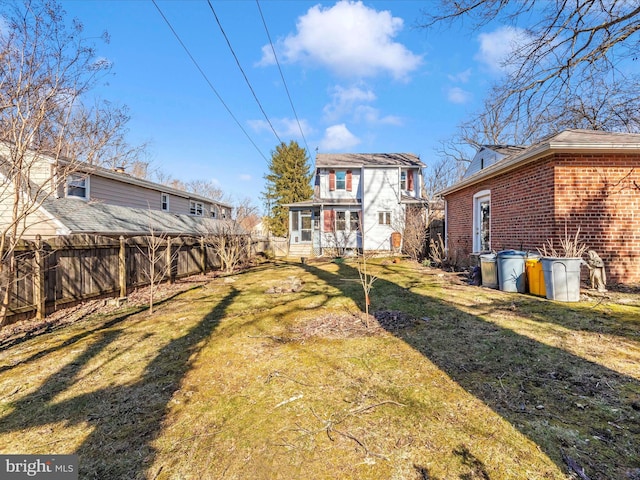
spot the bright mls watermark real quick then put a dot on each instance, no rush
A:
(49, 467)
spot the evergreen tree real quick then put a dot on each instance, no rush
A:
(288, 181)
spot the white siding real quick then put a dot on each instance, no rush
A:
(381, 194)
(355, 192)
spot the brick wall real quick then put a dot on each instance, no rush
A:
(598, 193)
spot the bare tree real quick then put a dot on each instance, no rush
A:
(159, 254)
(568, 69)
(231, 239)
(46, 69)
(206, 188)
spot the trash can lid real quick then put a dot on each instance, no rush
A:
(513, 253)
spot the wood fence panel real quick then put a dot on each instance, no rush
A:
(78, 267)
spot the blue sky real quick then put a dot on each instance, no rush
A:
(361, 75)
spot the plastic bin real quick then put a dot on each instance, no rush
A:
(511, 271)
(535, 276)
(562, 278)
(489, 270)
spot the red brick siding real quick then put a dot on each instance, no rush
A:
(598, 193)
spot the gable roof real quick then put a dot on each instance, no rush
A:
(575, 140)
(79, 216)
(368, 160)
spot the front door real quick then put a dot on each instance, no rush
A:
(482, 222)
(305, 226)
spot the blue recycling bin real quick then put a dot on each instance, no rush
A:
(511, 274)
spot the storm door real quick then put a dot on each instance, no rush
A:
(482, 222)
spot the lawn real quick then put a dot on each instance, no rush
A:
(244, 378)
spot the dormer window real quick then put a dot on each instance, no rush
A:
(77, 186)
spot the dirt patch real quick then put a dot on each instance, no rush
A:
(350, 325)
(25, 329)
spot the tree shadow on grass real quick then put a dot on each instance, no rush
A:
(125, 419)
(570, 407)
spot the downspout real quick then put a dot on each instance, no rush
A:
(362, 208)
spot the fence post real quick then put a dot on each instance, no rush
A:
(169, 261)
(203, 257)
(38, 280)
(122, 268)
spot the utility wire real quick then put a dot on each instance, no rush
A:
(282, 76)
(242, 70)
(204, 75)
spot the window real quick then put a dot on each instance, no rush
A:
(406, 180)
(341, 180)
(354, 221)
(384, 218)
(196, 208)
(295, 224)
(341, 221)
(77, 186)
(165, 201)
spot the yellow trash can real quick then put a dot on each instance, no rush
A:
(535, 277)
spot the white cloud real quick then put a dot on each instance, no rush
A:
(351, 102)
(338, 137)
(458, 95)
(344, 100)
(496, 46)
(370, 115)
(349, 39)
(245, 177)
(461, 77)
(284, 127)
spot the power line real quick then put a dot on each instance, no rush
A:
(242, 70)
(204, 75)
(282, 76)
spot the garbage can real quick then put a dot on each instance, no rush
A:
(562, 278)
(489, 270)
(535, 276)
(511, 271)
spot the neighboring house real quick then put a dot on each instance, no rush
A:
(359, 201)
(79, 198)
(579, 178)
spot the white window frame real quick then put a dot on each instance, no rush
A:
(479, 198)
(196, 208)
(343, 181)
(403, 179)
(164, 202)
(79, 181)
(384, 217)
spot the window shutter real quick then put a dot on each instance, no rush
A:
(328, 220)
(410, 181)
(349, 181)
(332, 180)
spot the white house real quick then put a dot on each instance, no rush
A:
(360, 200)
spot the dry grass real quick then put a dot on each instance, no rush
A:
(229, 381)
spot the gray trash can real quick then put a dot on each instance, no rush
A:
(489, 270)
(562, 278)
(511, 271)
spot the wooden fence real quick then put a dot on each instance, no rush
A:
(53, 273)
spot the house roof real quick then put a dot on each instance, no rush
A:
(567, 141)
(368, 160)
(504, 149)
(79, 216)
